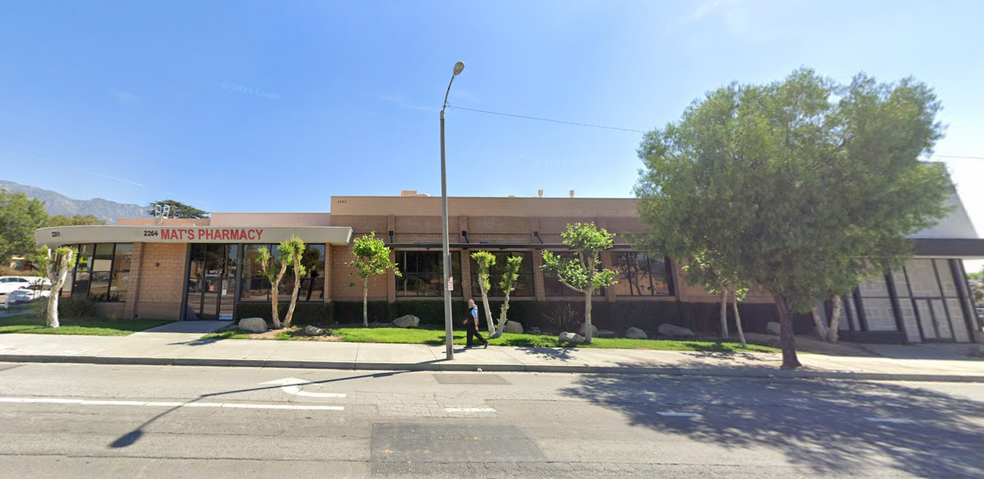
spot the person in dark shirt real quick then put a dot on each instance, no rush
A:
(471, 325)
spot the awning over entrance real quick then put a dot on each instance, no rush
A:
(335, 235)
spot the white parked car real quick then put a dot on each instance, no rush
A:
(9, 284)
(28, 293)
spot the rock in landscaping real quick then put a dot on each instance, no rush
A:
(675, 331)
(604, 333)
(253, 325)
(594, 330)
(313, 331)
(570, 338)
(772, 328)
(408, 321)
(513, 327)
(534, 330)
(636, 333)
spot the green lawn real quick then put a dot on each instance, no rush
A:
(30, 324)
(436, 338)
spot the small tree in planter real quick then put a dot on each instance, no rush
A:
(702, 270)
(485, 262)
(292, 252)
(273, 269)
(55, 265)
(581, 274)
(372, 257)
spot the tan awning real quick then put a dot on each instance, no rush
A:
(336, 235)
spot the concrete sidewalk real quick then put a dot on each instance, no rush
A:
(181, 344)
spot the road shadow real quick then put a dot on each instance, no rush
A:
(540, 352)
(825, 425)
(135, 435)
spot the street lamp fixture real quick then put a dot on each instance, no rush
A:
(448, 284)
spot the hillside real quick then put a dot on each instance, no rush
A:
(58, 204)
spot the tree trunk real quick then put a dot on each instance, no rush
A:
(293, 297)
(835, 317)
(365, 302)
(503, 317)
(724, 313)
(488, 312)
(275, 297)
(59, 283)
(786, 339)
(587, 314)
(741, 332)
(818, 324)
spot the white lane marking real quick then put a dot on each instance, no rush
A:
(893, 420)
(677, 414)
(292, 386)
(102, 402)
(468, 409)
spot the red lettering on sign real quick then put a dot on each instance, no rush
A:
(191, 233)
(259, 234)
(225, 235)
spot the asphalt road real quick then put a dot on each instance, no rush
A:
(88, 421)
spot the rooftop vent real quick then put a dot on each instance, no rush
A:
(408, 192)
(539, 193)
(572, 193)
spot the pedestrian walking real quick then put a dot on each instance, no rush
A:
(471, 325)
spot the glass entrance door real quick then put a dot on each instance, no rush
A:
(211, 281)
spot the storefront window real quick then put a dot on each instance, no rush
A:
(524, 282)
(256, 287)
(640, 275)
(423, 274)
(101, 271)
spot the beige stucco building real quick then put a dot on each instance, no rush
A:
(206, 268)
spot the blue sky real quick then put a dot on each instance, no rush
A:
(276, 106)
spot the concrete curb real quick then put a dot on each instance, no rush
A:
(762, 373)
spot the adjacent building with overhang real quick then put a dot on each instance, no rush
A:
(190, 269)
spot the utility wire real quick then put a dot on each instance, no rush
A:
(545, 119)
(959, 157)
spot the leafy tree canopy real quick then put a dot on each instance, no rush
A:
(77, 220)
(20, 215)
(178, 209)
(803, 186)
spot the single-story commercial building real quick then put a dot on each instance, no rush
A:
(191, 269)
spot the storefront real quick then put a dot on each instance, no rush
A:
(208, 268)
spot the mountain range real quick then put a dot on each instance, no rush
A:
(58, 204)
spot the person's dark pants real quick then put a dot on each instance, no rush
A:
(474, 332)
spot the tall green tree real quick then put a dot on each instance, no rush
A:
(801, 185)
(20, 215)
(274, 270)
(292, 253)
(372, 257)
(55, 265)
(178, 209)
(77, 220)
(582, 273)
(485, 261)
(702, 270)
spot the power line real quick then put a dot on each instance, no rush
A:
(959, 157)
(545, 119)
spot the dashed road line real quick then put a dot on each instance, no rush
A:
(892, 420)
(469, 409)
(225, 405)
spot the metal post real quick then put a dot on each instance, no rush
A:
(449, 336)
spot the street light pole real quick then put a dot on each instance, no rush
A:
(448, 334)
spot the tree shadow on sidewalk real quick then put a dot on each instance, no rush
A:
(829, 426)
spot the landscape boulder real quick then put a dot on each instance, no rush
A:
(583, 331)
(675, 331)
(772, 328)
(605, 333)
(313, 331)
(408, 321)
(513, 327)
(253, 325)
(636, 333)
(570, 338)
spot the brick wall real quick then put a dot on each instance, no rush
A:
(161, 284)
